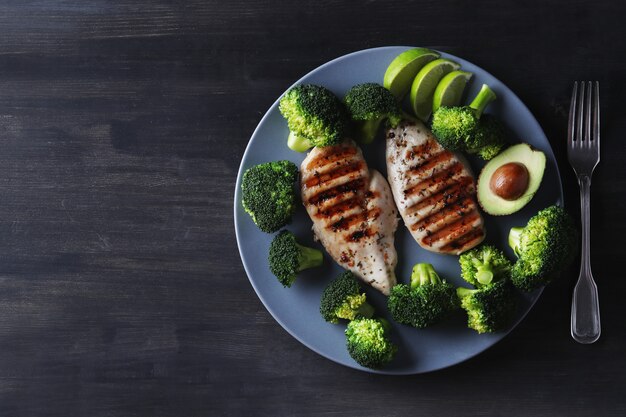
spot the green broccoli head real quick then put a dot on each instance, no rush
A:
(368, 343)
(454, 127)
(466, 129)
(369, 104)
(484, 264)
(488, 139)
(315, 116)
(268, 194)
(343, 299)
(287, 257)
(425, 302)
(545, 246)
(489, 308)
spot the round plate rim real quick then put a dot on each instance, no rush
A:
(237, 198)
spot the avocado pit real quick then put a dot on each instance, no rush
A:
(510, 181)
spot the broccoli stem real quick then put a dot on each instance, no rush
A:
(424, 274)
(366, 310)
(482, 99)
(368, 130)
(462, 292)
(484, 274)
(514, 239)
(298, 143)
(309, 257)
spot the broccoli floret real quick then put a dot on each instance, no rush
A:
(316, 117)
(287, 257)
(343, 299)
(426, 301)
(368, 343)
(544, 247)
(268, 195)
(489, 138)
(490, 308)
(454, 126)
(463, 129)
(484, 264)
(369, 104)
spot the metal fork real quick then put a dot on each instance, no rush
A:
(583, 152)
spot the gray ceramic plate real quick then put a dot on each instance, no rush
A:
(297, 308)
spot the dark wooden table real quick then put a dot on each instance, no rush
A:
(122, 125)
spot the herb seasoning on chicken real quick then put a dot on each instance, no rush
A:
(433, 189)
(352, 211)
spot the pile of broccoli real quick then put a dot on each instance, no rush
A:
(465, 128)
(368, 342)
(343, 299)
(491, 306)
(369, 105)
(545, 246)
(268, 194)
(316, 117)
(426, 301)
(366, 337)
(287, 257)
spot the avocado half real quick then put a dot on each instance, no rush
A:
(535, 162)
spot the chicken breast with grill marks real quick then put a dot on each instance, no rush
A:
(434, 190)
(353, 213)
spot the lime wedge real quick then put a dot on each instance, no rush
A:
(403, 69)
(449, 91)
(424, 85)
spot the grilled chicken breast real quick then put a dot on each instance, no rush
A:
(352, 211)
(433, 189)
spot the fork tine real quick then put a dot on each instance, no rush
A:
(588, 110)
(579, 113)
(596, 115)
(571, 125)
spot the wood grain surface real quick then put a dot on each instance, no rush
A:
(122, 125)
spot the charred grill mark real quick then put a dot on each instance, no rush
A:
(342, 170)
(358, 235)
(454, 230)
(353, 186)
(331, 155)
(339, 208)
(437, 181)
(458, 209)
(450, 193)
(373, 214)
(433, 162)
(465, 240)
(422, 151)
(345, 223)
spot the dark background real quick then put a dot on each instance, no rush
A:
(122, 125)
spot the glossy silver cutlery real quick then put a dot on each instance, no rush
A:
(583, 152)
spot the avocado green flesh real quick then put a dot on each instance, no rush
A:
(534, 161)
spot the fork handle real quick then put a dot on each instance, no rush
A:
(585, 321)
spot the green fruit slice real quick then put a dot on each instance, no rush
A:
(403, 69)
(521, 154)
(449, 91)
(425, 83)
